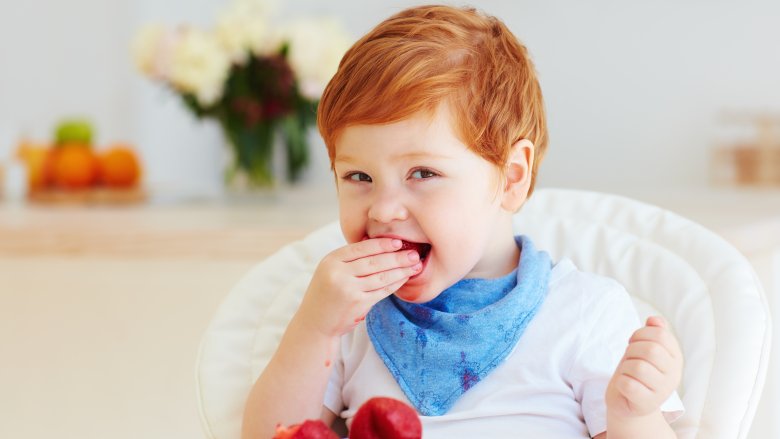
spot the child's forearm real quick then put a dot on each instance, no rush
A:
(652, 426)
(292, 386)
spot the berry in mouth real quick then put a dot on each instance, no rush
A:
(422, 248)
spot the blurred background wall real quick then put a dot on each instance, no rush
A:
(634, 90)
(636, 95)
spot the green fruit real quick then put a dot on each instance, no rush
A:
(74, 131)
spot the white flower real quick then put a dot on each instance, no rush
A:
(316, 47)
(146, 47)
(199, 65)
(242, 28)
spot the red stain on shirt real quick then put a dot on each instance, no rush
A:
(468, 379)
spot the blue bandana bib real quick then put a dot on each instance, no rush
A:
(438, 350)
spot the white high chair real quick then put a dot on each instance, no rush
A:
(671, 266)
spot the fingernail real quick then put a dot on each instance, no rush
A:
(655, 321)
(397, 243)
(417, 267)
(413, 256)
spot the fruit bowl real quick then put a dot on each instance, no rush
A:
(71, 169)
(91, 196)
(76, 173)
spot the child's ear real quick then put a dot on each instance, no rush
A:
(517, 175)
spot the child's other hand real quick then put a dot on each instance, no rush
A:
(351, 279)
(648, 373)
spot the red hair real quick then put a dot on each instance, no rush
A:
(423, 56)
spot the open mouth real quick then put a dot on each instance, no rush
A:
(422, 248)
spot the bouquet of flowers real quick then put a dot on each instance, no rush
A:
(257, 81)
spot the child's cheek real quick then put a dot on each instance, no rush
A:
(352, 230)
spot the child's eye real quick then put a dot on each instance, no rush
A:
(423, 174)
(357, 176)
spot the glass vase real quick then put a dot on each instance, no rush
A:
(265, 155)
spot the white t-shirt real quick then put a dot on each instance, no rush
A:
(552, 385)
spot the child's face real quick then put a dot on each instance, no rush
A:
(415, 180)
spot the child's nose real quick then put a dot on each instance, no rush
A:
(387, 207)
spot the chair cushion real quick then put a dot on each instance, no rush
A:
(671, 266)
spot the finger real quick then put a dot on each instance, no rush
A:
(643, 372)
(648, 333)
(658, 335)
(377, 281)
(387, 290)
(368, 247)
(357, 322)
(382, 262)
(656, 321)
(651, 352)
(634, 391)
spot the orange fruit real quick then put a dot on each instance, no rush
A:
(48, 168)
(74, 166)
(119, 167)
(35, 157)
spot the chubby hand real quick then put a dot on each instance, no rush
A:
(648, 373)
(351, 279)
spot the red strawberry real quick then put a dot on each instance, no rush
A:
(422, 248)
(310, 429)
(385, 418)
